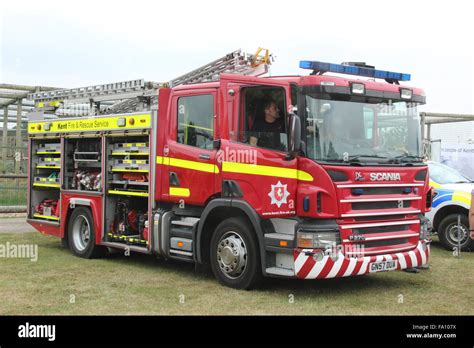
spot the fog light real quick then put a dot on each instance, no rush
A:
(357, 88)
(406, 93)
(318, 256)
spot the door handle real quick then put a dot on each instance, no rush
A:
(205, 156)
(174, 181)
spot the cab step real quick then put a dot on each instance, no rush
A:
(181, 238)
(280, 272)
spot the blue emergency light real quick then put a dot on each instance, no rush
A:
(349, 69)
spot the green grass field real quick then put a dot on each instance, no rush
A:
(141, 284)
(12, 192)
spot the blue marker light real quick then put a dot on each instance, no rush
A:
(353, 70)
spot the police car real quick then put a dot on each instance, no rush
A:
(453, 198)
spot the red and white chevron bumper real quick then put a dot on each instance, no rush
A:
(307, 265)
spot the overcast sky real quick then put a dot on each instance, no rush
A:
(80, 43)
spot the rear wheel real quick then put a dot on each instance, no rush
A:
(81, 234)
(235, 259)
(449, 234)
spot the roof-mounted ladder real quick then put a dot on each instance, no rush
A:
(131, 93)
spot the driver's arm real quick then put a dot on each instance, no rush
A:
(253, 140)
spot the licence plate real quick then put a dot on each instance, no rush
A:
(382, 266)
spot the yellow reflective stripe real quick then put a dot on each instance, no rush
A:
(129, 153)
(234, 167)
(194, 165)
(128, 193)
(48, 153)
(49, 167)
(434, 184)
(130, 170)
(255, 169)
(134, 145)
(135, 161)
(179, 191)
(55, 218)
(46, 185)
(462, 197)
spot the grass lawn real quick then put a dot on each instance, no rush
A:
(141, 284)
(12, 192)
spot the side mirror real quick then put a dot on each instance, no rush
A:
(294, 136)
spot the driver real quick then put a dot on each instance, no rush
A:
(268, 127)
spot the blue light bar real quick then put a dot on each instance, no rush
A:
(353, 70)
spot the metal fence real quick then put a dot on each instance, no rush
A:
(13, 192)
(13, 159)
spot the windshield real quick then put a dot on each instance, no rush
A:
(443, 174)
(341, 131)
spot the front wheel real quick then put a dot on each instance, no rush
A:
(449, 234)
(235, 259)
(81, 234)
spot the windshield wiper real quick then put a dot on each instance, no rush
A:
(353, 160)
(401, 158)
(356, 157)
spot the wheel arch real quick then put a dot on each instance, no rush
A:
(446, 210)
(95, 211)
(218, 210)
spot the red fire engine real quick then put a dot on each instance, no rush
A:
(312, 177)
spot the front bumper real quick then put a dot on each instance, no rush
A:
(337, 265)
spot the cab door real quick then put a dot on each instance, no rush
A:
(188, 155)
(263, 177)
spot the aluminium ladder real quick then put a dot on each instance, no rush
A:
(130, 96)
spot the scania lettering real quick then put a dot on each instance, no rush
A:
(384, 176)
(168, 169)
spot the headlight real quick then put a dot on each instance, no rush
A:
(317, 240)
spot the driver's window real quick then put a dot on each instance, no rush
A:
(196, 121)
(263, 118)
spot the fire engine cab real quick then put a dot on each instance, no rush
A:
(310, 177)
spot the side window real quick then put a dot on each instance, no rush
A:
(196, 121)
(263, 118)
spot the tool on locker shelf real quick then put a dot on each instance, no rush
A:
(127, 220)
(87, 180)
(138, 177)
(47, 207)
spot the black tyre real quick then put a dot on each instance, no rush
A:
(448, 233)
(234, 254)
(81, 234)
